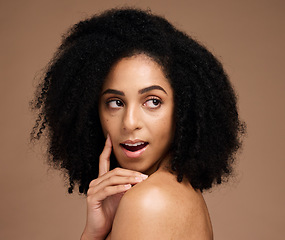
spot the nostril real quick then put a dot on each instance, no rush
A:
(131, 120)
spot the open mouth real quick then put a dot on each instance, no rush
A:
(133, 147)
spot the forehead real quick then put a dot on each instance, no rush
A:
(140, 70)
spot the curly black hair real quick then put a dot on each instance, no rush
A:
(208, 129)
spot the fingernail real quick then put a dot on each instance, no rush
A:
(144, 176)
(128, 186)
(139, 179)
(108, 139)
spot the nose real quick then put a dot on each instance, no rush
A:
(131, 119)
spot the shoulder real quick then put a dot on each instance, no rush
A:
(158, 208)
(140, 212)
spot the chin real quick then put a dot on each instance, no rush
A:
(134, 167)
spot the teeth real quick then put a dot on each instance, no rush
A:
(134, 145)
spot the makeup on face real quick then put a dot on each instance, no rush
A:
(136, 109)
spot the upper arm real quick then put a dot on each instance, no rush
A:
(143, 214)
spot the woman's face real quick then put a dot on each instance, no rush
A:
(136, 109)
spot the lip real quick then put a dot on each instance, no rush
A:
(133, 141)
(133, 154)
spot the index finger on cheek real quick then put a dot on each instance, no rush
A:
(104, 159)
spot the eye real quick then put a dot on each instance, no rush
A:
(153, 103)
(115, 103)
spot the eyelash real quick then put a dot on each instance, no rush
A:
(120, 103)
(154, 99)
(115, 101)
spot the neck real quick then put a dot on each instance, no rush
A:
(163, 164)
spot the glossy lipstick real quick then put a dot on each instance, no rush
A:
(134, 148)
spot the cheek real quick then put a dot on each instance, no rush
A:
(110, 126)
(163, 127)
(104, 125)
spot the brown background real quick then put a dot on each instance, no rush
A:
(246, 35)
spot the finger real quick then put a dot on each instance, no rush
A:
(117, 172)
(104, 159)
(113, 181)
(107, 192)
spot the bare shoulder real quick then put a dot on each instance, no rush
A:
(162, 208)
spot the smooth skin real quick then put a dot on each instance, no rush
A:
(104, 195)
(162, 208)
(124, 203)
(137, 105)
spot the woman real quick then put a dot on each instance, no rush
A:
(167, 111)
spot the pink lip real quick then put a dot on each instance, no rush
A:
(133, 141)
(131, 154)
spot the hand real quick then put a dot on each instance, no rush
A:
(105, 193)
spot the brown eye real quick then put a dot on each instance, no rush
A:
(153, 103)
(115, 103)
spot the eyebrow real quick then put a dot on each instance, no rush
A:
(113, 91)
(153, 87)
(141, 91)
